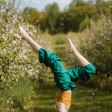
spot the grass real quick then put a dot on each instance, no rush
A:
(84, 100)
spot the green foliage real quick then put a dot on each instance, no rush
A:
(18, 64)
(84, 24)
(33, 16)
(74, 18)
(52, 12)
(78, 2)
(22, 93)
(97, 46)
(16, 98)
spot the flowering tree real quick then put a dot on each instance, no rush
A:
(17, 60)
(97, 46)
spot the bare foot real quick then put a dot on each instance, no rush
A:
(71, 48)
(23, 33)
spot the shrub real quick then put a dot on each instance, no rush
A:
(17, 62)
(84, 24)
(97, 46)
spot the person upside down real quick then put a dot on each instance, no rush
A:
(63, 77)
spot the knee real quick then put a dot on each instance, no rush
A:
(60, 107)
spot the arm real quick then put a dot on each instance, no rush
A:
(83, 62)
(29, 40)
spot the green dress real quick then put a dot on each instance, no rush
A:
(65, 78)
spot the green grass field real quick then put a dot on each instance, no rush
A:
(84, 99)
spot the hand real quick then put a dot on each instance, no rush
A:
(71, 48)
(23, 33)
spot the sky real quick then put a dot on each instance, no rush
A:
(40, 4)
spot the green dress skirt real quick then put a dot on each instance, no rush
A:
(65, 78)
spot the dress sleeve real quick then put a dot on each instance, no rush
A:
(87, 72)
(83, 73)
(44, 56)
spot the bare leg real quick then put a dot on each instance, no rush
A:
(86, 70)
(83, 62)
(29, 40)
(61, 107)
